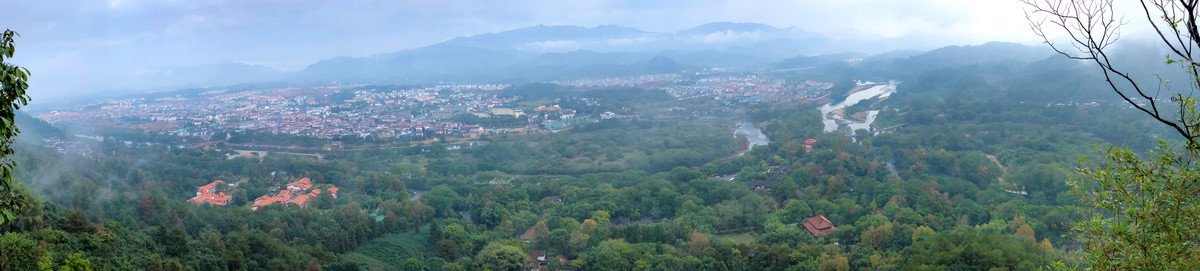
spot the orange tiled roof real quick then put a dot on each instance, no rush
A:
(293, 194)
(221, 199)
(302, 184)
(204, 194)
(265, 200)
(818, 225)
(209, 187)
(299, 200)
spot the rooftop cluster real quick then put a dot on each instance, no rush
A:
(208, 194)
(292, 194)
(323, 112)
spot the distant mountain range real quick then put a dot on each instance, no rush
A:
(546, 53)
(540, 53)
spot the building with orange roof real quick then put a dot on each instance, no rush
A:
(301, 200)
(818, 225)
(302, 184)
(208, 188)
(293, 194)
(208, 194)
(263, 201)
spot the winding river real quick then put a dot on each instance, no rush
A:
(833, 121)
(753, 135)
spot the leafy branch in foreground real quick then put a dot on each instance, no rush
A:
(13, 83)
(1140, 213)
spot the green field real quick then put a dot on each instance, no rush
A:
(389, 251)
(738, 238)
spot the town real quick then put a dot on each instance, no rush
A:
(360, 111)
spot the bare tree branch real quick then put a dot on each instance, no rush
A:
(1092, 26)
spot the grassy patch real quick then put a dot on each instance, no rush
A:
(389, 251)
(738, 238)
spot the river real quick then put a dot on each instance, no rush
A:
(833, 122)
(754, 136)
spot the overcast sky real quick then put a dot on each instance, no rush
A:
(73, 46)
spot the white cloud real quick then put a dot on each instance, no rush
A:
(552, 46)
(631, 41)
(727, 36)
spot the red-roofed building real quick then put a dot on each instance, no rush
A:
(301, 200)
(263, 201)
(208, 194)
(209, 188)
(302, 184)
(818, 225)
(220, 199)
(293, 194)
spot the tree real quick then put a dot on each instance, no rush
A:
(697, 242)
(877, 237)
(1138, 212)
(312, 266)
(835, 263)
(1025, 232)
(77, 222)
(498, 256)
(13, 83)
(921, 232)
(435, 232)
(613, 254)
(601, 217)
(20, 253)
(442, 199)
(77, 263)
(412, 264)
(447, 249)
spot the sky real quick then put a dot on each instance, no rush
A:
(81, 46)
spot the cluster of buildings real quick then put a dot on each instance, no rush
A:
(293, 194)
(634, 81)
(734, 89)
(555, 112)
(208, 194)
(79, 147)
(340, 111)
(749, 89)
(322, 112)
(299, 193)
